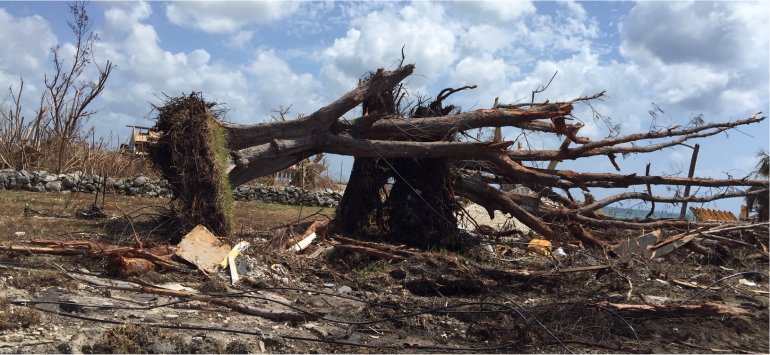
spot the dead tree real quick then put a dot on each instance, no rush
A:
(384, 136)
(67, 95)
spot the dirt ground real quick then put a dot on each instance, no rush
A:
(496, 297)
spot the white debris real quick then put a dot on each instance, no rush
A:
(501, 222)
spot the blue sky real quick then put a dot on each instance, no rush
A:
(690, 58)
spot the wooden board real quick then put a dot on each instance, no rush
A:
(705, 214)
(203, 249)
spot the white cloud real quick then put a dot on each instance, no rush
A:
(275, 84)
(705, 56)
(226, 16)
(458, 38)
(376, 40)
(241, 39)
(488, 73)
(686, 32)
(24, 56)
(145, 71)
(484, 11)
(582, 74)
(682, 82)
(485, 38)
(25, 48)
(121, 16)
(750, 100)
(577, 21)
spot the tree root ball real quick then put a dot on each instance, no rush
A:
(192, 155)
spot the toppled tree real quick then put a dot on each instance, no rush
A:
(388, 145)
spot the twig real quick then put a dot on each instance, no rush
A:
(649, 191)
(713, 350)
(541, 88)
(370, 251)
(723, 239)
(131, 223)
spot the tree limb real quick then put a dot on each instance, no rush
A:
(240, 136)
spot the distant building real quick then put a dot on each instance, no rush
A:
(141, 138)
(285, 176)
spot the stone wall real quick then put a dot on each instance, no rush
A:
(288, 195)
(140, 185)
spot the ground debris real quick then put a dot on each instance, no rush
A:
(331, 298)
(124, 261)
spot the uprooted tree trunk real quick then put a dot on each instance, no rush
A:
(419, 209)
(418, 147)
(362, 209)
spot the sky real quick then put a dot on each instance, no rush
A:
(687, 58)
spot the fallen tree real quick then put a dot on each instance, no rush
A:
(421, 152)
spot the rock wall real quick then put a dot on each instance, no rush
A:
(140, 185)
(288, 195)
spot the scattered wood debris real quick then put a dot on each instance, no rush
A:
(124, 261)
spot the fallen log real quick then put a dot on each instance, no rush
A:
(126, 261)
(319, 122)
(492, 199)
(384, 135)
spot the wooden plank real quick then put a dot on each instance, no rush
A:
(203, 249)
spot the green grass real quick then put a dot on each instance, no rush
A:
(362, 270)
(248, 217)
(222, 157)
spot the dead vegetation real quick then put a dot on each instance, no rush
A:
(39, 279)
(15, 317)
(54, 136)
(142, 339)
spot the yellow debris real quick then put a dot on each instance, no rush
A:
(541, 246)
(704, 214)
